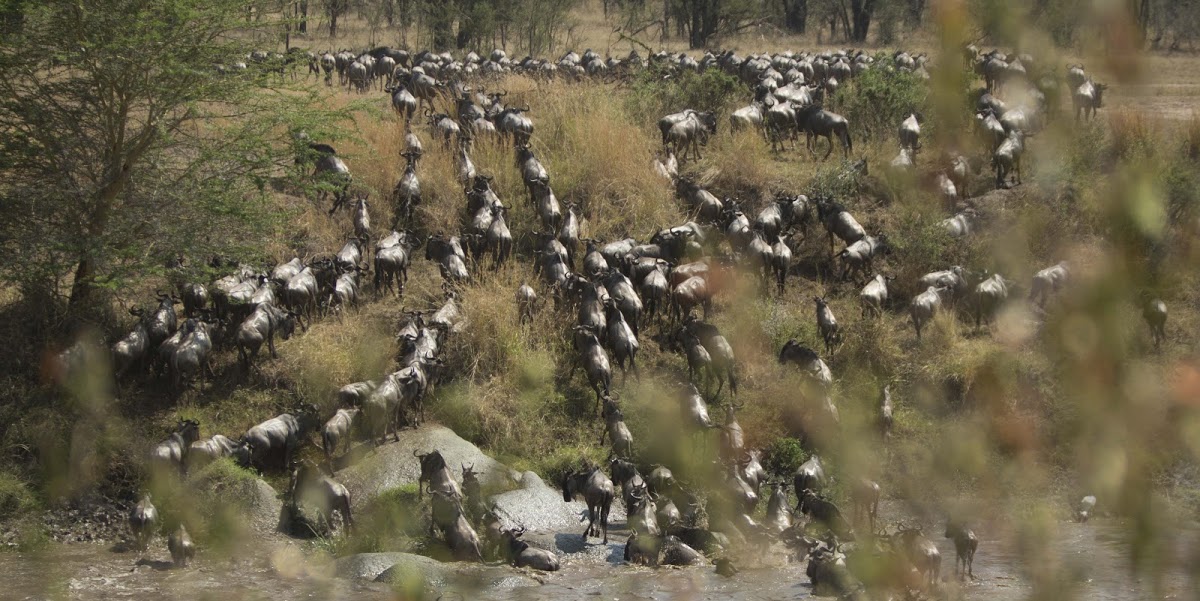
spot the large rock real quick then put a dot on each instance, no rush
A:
(416, 573)
(393, 464)
(539, 507)
(369, 566)
(249, 497)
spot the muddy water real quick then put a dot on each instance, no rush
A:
(1092, 552)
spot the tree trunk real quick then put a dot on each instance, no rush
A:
(695, 41)
(705, 18)
(82, 291)
(666, 25)
(303, 16)
(916, 11)
(333, 17)
(1143, 19)
(795, 15)
(863, 11)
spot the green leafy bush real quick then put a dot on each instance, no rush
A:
(878, 99)
(15, 497)
(656, 92)
(784, 456)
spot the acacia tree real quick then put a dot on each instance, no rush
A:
(123, 145)
(335, 9)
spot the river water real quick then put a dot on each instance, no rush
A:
(1093, 553)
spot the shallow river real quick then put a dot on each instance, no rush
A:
(1093, 552)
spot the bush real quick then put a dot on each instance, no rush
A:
(15, 496)
(784, 456)
(656, 92)
(877, 100)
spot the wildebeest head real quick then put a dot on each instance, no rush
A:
(288, 326)
(470, 476)
(431, 463)
(621, 469)
(189, 430)
(568, 486)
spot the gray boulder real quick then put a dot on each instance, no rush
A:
(393, 464)
(370, 566)
(238, 492)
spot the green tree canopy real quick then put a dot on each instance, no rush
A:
(124, 141)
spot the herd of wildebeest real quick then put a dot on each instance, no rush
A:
(614, 291)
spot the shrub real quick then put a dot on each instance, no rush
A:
(877, 100)
(784, 456)
(15, 496)
(655, 92)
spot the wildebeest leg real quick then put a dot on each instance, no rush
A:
(591, 520)
(604, 509)
(830, 151)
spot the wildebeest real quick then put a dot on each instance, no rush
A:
(618, 433)
(885, 412)
(1007, 158)
(910, 133)
(857, 257)
(823, 511)
(407, 193)
(522, 555)
(620, 337)
(839, 222)
(874, 295)
(1088, 97)
(724, 362)
(1154, 311)
(448, 516)
(809, 476)
(924, 306)
(337, 432)
(262, 326)
(274, 442)
(403, 102)
(171, 454)
(779, 515)
(865, 497)
(181, 547)
(310, 488)
(1085, 508)
(436, 473)
(827, 325)
(691, 132)
(512, 122)
(965, 545)
(922, 554)
(817, 122)
(1048, 282)
(526, 303)
(598, 492)
(143, 522)
(189, 356)
(990, 294)
(134, 347)
(392, 257)
(808, 361)
(203, 452)
(595, 361)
